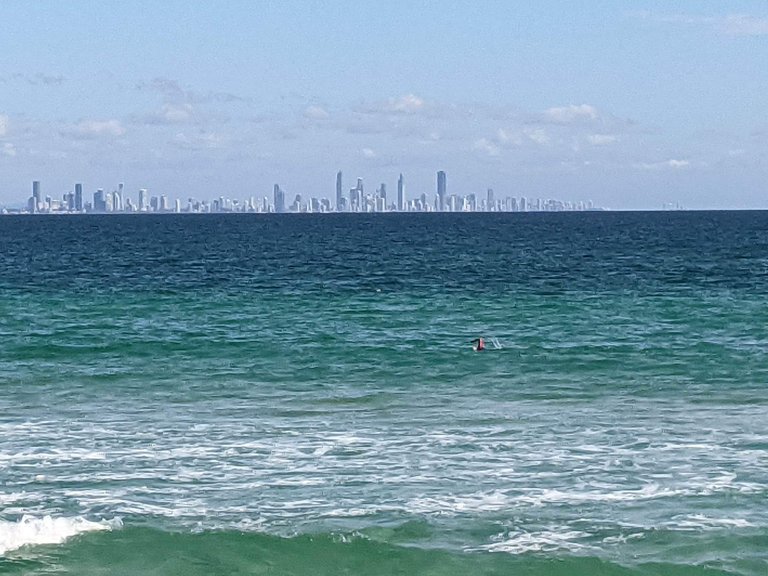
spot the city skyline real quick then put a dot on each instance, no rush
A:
(633, 106)
(119, 200)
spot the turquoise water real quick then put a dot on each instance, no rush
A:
(298, 394)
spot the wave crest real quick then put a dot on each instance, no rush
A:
(30, 530)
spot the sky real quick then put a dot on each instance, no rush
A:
(633, 105)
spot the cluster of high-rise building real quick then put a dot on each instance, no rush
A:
(355, 199)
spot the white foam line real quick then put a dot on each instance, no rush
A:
(500, 500)
(30, 530)
(544, 541)
(700, 521)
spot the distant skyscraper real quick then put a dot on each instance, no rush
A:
(441, 186)
(143, 200)
(36, 196)
(279, 199)
(78, 197)
(356, 197)
(99, 202)
(490, 203)
(339, 193)
(400, 194)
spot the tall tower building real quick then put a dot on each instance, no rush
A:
(98, 201)
(279, 199)
(117, 201)
(490, 202)
(441, 186)
(143, 200)
(400, 194)
(339, 193)
(78, 197)
(356, 197)
(36, 196)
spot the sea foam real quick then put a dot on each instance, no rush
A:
(543, 541)
(30, 530)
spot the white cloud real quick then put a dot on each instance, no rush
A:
(732, 25)
(8, 149)
(368, 153)
(182, 105)
(671, 164)
(199, 141)
(176, 113)
(486, 146)
(504, 137)
(95, 129)
(687, 19)
(539, 136)
(601, 139)
(744, 25)
(316, 113)
(3, 124)
(568, 114)
(170, 113)
(408, 104)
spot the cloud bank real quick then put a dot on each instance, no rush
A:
(95, 129)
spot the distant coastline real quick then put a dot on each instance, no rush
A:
(356, 200)
(19, 212)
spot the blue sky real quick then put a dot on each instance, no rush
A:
(629, 104)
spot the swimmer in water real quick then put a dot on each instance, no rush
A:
(478, 344)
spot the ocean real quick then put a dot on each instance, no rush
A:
(298, 394)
